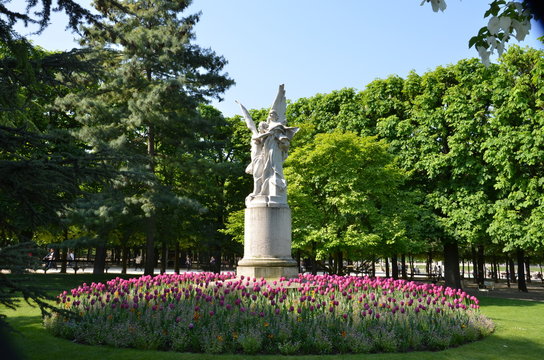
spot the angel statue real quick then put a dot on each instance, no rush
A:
(269, 146)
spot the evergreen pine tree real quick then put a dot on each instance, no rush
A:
(145, 106)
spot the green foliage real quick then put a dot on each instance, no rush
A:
(144, 109)
(18, 260)
(515, 149)
(326, 112)
(234, 226)
(343, 190)
(42, 177)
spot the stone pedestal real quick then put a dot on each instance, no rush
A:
(267, 242)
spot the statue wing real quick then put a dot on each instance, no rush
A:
(280, 105)
(249, 120)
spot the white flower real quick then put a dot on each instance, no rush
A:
(493, 25)
(484, 55)
(522, 29)
(436, 4)
(504, 23)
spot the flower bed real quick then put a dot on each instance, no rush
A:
(204, 312)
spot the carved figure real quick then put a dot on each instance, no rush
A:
(269, 147)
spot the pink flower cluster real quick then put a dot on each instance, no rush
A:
(305, 297)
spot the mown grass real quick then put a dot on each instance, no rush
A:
(519, 334)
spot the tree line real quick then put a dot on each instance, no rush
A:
(113, 145)
(448, 164)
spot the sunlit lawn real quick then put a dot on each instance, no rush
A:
(519, 334)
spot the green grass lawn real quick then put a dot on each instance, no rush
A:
(519, 334)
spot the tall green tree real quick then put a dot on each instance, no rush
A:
(439, 142)
(42, 165)
(515, 148)
(344, 192)
(146, 104)
(221, 185)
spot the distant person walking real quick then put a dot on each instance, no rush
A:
(212, 263)
(138, 262)
(188, 262)
(70, 258)
(49, 259)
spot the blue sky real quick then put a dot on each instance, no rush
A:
(316, 46)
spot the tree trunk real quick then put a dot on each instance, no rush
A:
(474, 264)
(403, 267)
(151, 221)
(63, 258)
(508, 277)
(451, 265)
(522, 285)
(124, 258)
(100, 259)
(412, 267)
(481, 264)
(149, 268)
(394, 267)
(176, 258)
(64, 254)
(339, 263)
(429, 264)
(387, 267)
(216, 268)
(312, 257)
(164, 257)
(527, 269)
(494, 269)
(512, 269)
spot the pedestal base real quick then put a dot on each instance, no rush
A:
(268, 268)
(267, 244)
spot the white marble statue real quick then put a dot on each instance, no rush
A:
(269, 146)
